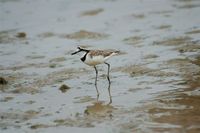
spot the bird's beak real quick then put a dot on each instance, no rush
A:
(75, 52)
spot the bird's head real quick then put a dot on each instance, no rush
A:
(79, 49)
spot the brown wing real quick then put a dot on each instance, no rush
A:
(100, 52)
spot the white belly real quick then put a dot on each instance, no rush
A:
(94, 60)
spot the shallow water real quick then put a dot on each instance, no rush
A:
(154, 82)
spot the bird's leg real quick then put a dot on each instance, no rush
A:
(109, 82)
(108, 72)
(109, 94)
(96, 81)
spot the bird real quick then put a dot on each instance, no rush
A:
(94, 58)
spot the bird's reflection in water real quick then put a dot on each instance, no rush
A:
(110, 97)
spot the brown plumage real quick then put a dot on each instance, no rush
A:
(104, 53)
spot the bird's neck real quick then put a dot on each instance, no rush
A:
(84, 56)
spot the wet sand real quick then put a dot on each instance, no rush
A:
(155, 80)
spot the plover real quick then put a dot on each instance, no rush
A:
(96, 57)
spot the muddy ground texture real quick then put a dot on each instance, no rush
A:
(155, 80)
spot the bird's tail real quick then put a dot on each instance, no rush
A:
(115, 52)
